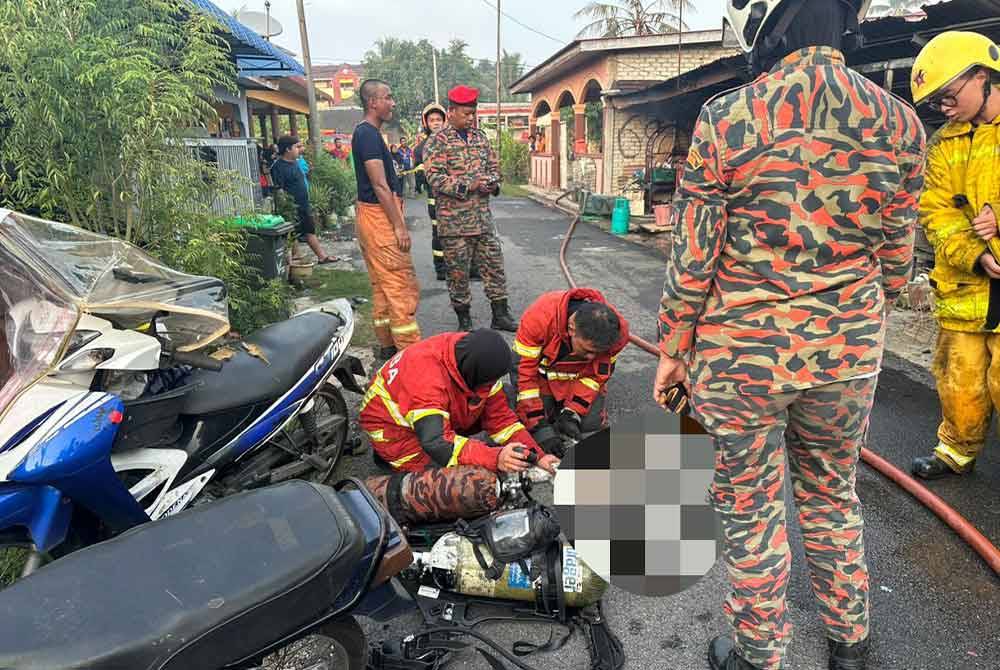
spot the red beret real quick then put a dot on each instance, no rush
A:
(463, 95)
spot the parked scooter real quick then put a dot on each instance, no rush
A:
(265, 579)
(111, 414)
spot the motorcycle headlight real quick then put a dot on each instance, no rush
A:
(88, 360)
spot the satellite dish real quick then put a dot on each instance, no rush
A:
(258, 22)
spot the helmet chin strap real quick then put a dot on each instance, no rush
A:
(987, 92)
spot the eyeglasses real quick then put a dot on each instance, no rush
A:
(950, 100)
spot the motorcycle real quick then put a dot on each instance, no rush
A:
(270, 578)
(112, 415)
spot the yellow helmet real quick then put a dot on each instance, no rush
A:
(947, 57)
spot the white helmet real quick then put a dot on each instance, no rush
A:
(748, 17)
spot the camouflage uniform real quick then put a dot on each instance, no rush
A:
(793, 227)
(465, 224)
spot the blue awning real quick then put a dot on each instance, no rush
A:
(255, 56)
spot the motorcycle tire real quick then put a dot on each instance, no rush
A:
(337, 645)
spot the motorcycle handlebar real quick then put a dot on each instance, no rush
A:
(196, 360)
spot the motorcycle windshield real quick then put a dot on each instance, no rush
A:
(52, 272)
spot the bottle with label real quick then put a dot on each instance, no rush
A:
(451, 565)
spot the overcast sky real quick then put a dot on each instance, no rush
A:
(342, 30)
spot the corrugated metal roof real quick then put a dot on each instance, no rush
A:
(255, 56)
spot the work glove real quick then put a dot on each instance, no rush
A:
(548, 439)
(568, 423)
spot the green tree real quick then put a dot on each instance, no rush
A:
(630, 18)
(93, 97)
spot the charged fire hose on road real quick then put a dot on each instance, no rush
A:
(975, 539)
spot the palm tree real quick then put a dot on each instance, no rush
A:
(895, 8)
(628, 18)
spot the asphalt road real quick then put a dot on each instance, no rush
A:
(935, 603)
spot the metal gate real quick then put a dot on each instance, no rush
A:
(239, 156)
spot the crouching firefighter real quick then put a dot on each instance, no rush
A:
(958, 74)
(425, 403)
(567, 344)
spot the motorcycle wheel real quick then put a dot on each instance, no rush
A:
(274, 463)
(338, 645)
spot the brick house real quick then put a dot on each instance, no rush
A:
(569, 94)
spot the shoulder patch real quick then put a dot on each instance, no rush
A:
(694, 159)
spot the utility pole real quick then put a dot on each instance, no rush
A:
(310, 88)
(680, 41)
(498, 82)
(434, 58)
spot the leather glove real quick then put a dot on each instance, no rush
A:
(568, 423)
(548, 439)
(677, 400)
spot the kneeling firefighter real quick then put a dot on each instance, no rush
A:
(567, 344)
(425, 402)
(958, 74)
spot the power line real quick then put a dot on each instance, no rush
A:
(525, 25)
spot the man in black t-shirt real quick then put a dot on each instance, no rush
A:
(288, 176)
(382, 234)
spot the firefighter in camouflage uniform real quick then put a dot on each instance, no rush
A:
(463, 173)
(793, 234)
(957, 73)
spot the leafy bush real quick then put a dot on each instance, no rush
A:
(335, 177)
(514, 159)
(209, 247)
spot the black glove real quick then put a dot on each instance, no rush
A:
(568, 423)
(677, 400)
(548, 439)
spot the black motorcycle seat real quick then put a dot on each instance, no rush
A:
(208, 583)
(291, 347)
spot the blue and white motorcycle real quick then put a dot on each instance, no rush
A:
(111, 412)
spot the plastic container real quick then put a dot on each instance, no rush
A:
(662, 213)
(267, 244)
(620, 217)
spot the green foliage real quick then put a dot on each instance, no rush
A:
(213, 249)
(336, 184)
(408, 67)
(514, 159)
(93, 94)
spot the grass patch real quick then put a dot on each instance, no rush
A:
(12, 561)
(329, 284)
(512, 191)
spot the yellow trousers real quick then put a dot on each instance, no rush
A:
(967, 370)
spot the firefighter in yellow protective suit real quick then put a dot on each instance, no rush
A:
(958, 74)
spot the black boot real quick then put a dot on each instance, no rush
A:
(845, 656)
(722, 656)
(502, 320)
(464, 319)
(382, 354)
(439, 271)
(930, 467)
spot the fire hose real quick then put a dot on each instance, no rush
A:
(962, 527)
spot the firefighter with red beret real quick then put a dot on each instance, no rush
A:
(425, 404)
(567, 345)
(462, 170)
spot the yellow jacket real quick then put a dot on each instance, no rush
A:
(962, 160)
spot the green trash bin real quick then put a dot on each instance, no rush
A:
(267, 244)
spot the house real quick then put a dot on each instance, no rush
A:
(583, 141)
(340, 82)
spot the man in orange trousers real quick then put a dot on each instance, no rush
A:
(382, 234)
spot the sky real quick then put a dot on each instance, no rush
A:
(342, 30)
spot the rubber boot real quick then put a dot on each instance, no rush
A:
(439, 271)
(845, 656)
(930, 467)
(464, 319)
(722, 656)
(502, 320)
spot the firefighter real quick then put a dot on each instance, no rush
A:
(793, 232)
(425, 404)
(462, 171)
(957, 74)
(382, 234)
(434, 117)
(566, 349)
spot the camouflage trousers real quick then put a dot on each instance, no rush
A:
(822, 430)
(459, 250)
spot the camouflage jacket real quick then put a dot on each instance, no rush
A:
(451, 165)
(793, 224)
